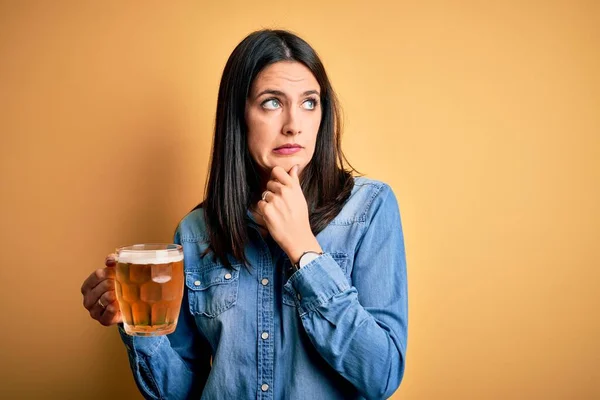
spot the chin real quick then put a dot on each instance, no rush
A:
(287, 164)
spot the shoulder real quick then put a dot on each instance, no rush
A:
(364, 185)
(367, 196)
(192, 227)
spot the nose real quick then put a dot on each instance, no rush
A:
(291, 125)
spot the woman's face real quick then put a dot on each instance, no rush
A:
(283, 109)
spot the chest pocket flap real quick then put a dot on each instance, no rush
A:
(212, 289)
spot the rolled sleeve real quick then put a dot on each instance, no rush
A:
(144, 345)
(315, 284)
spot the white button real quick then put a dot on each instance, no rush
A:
(227, 276)
(298, 296)
(265, 335)
(196, 283)
(265, 282)
(264, 387)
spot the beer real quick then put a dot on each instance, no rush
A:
(149, 286)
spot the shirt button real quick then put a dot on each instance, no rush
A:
(299, 296)
(264, 387)
(265, 335)
(228, 276)
(196, 283)
(265, 282)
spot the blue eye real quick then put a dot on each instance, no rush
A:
(312, 104)
(271, 104)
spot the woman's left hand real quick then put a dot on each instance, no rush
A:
(285, 212)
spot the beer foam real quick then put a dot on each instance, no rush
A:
(149, 256)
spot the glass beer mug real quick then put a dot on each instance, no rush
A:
(149, 287)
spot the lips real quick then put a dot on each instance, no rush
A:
(289, 146)
(287, 149)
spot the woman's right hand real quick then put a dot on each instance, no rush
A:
(99, 296)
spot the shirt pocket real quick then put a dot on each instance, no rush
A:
(340, 258)
(212, 289)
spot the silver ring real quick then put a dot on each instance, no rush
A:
(101, 305)
(264, 195)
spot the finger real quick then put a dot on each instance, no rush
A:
(96, 311)
(109, 303)
(95, 277)
(275, 187)
(294, 173)
(279, 174)
(111, 260)
(261, 207)
(274, 199)
(107, 298)
(264, 209)
(91, 298)
(112, 315)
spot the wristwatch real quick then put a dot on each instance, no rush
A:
(306, 258)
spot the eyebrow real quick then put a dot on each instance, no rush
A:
(280, 93)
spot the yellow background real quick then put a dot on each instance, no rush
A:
(483, 117)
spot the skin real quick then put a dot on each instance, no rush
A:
(283, 107)
(291, 116)
(100, 286)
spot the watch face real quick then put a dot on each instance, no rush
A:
(307, 258)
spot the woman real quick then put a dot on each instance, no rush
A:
(315, 306)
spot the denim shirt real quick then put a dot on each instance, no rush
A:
(335, 329)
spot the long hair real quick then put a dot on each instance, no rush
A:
(234, 183)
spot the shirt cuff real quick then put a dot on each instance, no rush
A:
(140, 344)
(316, 283)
